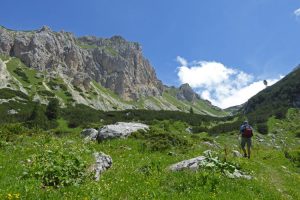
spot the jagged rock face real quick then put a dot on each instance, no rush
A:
(187, 93)
(115, 63)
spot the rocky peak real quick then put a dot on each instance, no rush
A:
(185, 92)
(45, 28)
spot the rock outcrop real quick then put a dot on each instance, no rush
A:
(207, 161)
(103, 162)
(192, 164)
(185, 92)
(89, 134)
(114, 63)
(120, 130)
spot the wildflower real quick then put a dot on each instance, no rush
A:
(9, 196)
(17, 195)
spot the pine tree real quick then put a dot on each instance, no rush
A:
(191, 110)
(52, 109)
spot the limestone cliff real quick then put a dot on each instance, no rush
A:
(114, 63)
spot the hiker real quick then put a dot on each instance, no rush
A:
(246, 133)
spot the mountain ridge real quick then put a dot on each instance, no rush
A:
(87, 68)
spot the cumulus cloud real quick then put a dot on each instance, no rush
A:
(297, 12)
(223, 86)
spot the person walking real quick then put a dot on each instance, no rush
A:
(246, 133)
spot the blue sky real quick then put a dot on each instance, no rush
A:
(257, 37)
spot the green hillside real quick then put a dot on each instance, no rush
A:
(40, 86)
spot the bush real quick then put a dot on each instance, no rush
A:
(226, 127)
(199, 129)
(46, 93)
(21, 74)
(58, 168)
(298, 134)
(157, 140)
(262, 128)
(6, 93)
(8, 132)
(38, 119)
(52, 109)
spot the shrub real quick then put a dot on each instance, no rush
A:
(46, 93)
(52, 109)
(199, 129)
(6, 93)
(38, 119)
(298, 134)
(58, 168)
(78, 89)
(21, 74)
(157, 140)
(226, 127)
(262, 128)
(68, 94)
(8, 132)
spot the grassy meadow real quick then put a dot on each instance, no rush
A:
(140, 163)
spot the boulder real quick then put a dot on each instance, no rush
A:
(103, 162)
(120, 130)
(237, 174)
(236, 154)
(192, 164)
(189, 130)
(208, 161)
(89, 134)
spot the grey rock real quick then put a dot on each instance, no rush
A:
(189, 130)
(12, 112)
(192, 164)
(277, 147)
(185, 92)
(103, 162)
(209, 162)
(120, 130)
(236, 154)
(237, 174)
(89, 134)
(208, 144)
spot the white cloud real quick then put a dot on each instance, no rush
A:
(297, 12)
(221, 85)
(182, 61)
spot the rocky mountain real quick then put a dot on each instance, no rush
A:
(185, 92)
(115, 63)
(87, 70)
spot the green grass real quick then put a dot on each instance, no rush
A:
(6, 93)
(138, 173)
(4, 57)
(62, 92)
(110, 50)
(26, 76)
(86, 46)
